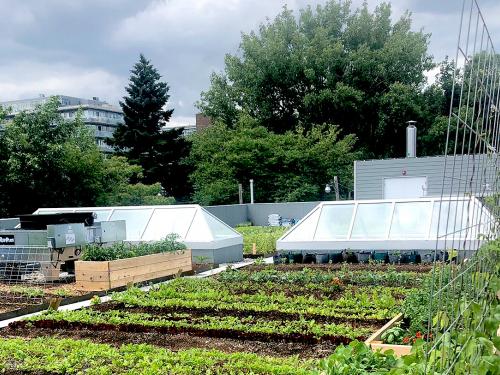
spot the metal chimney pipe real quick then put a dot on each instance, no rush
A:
(251, 191)
(411, 140)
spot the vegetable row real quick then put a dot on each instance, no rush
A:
(207, 323)
(364, 302)
(66, 356)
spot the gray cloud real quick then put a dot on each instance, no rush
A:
(87, 47)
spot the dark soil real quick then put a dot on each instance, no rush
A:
(192, 331)
(420, 268)
(181, 341)
(272, 315)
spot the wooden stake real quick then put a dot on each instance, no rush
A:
(254, 249)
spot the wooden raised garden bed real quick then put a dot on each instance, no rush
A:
(375, 342)
(104, 275)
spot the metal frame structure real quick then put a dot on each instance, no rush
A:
(461, 291)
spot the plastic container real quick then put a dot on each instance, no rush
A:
(380, 257)
(336, 258)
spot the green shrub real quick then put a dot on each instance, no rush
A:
(123, 250)
(264, 238)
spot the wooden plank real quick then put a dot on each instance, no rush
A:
(146, 259)
(390, 324)
(151, 268)
(93, 286)
(83, 266)
(399, 350)
(375, 342)
(94, 276)
(91, 276)
(144, 277)
(154, 267)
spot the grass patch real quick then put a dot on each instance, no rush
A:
(264, 238)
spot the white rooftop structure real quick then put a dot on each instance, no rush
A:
(197, 228)
(393, 224)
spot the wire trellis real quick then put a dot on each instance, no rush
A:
(28, 272)
(460, 293)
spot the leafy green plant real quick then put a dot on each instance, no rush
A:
(67, 356)
(122, 250)
(26, 291)
(359, 359)
(393, 335)
(95, 300)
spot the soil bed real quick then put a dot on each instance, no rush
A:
(16, 296)
(180, 341)
(216, 333)
(271, 315)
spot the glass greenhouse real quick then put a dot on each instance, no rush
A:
(398, 224)
(202, 232)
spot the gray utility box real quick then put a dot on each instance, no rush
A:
(66, 235)
(107, 231)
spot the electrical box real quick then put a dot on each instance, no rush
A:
(107, 231)
(66, 235)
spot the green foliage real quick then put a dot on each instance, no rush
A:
(66, 356)
(359, 359)
(264, 238)
(294, 166)
(121, 192)
(393, 335)
(219, 323)
(415, 308)
(26, 291)
(330, 64)
(123, 250)
(360, 302)
(142, 139)
(46, 160)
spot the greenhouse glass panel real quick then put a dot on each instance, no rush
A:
(218, 229)
(136, 221)
(334, 222)
(390, 225)
(304, 230)
(372, 220)
(411, 220)
(451, 223)
(168, 220)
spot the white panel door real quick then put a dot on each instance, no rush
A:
(405, 187)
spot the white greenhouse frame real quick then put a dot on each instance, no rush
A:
(305, 236)
(196, 227)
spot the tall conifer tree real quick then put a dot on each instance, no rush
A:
(141, 138)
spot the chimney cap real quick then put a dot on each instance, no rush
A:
(411, 122)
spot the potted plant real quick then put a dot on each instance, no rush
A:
(364, 256)
(409, 257)
(395, 257)
(380, 257)
(335, 257)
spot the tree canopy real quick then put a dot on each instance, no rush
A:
(48, 161)
(293, 166)
(332, 64)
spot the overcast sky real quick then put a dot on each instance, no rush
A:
(86, 48)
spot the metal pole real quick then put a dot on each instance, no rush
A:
(240, 193)
(251, 191)
(336, 187)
